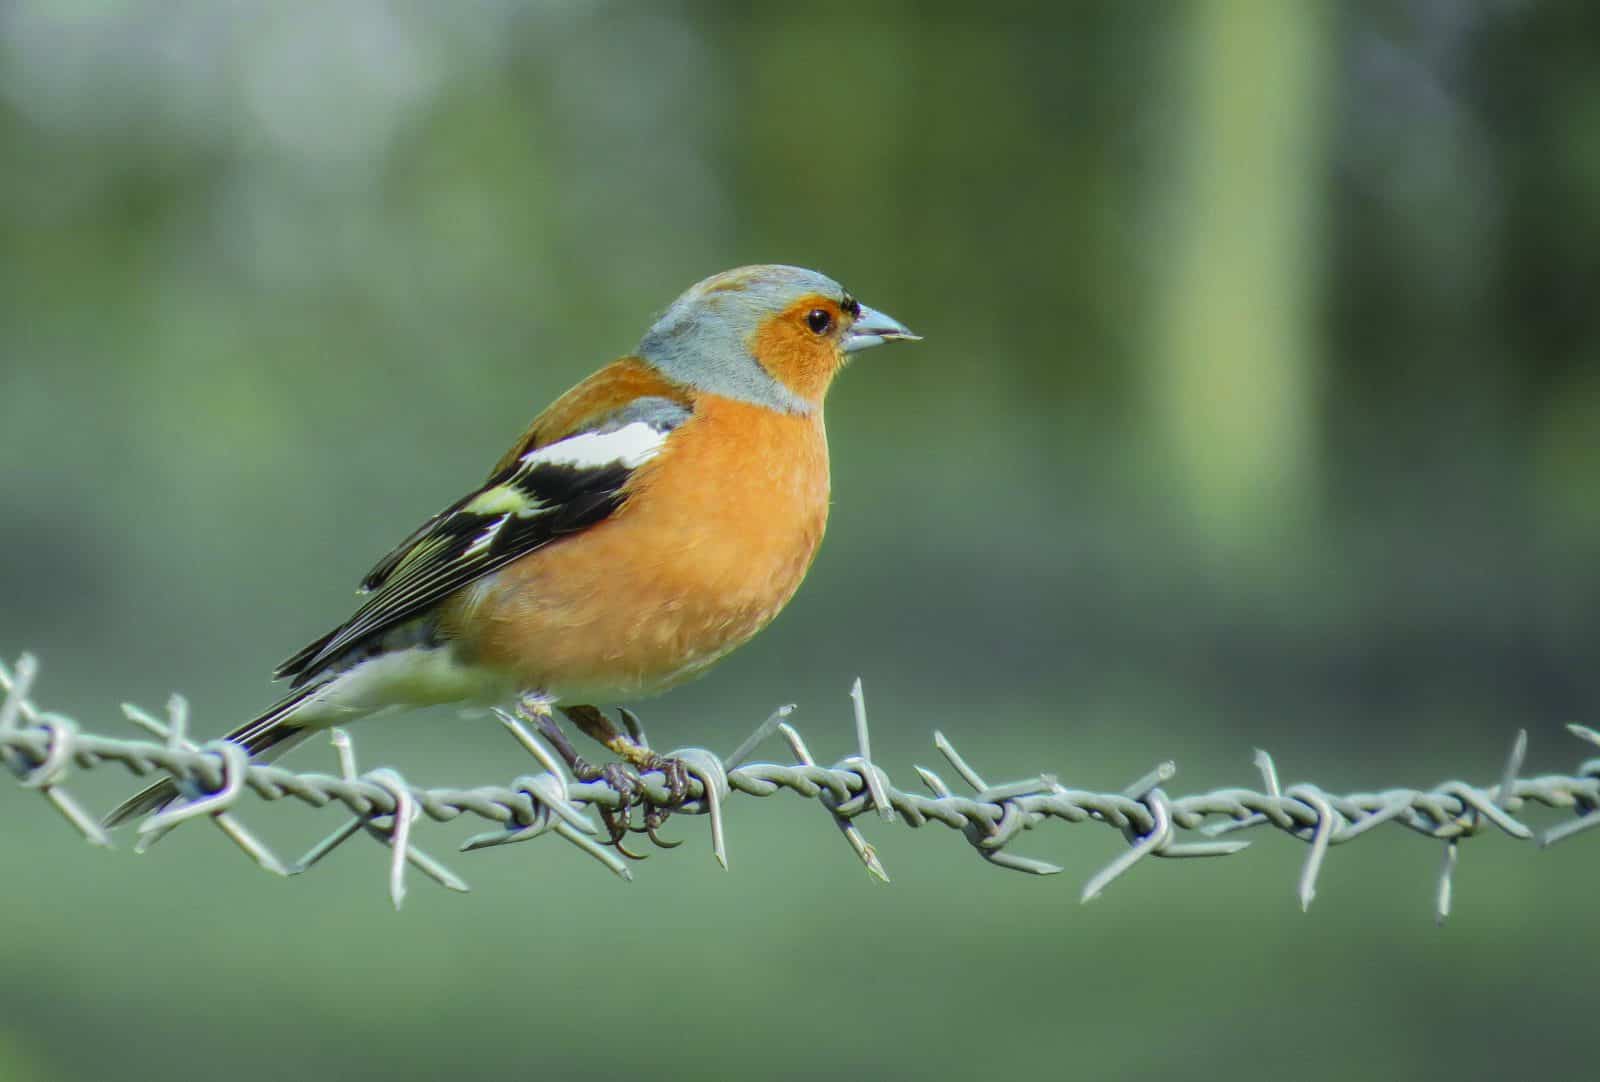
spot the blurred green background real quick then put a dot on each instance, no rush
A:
(1259, 406)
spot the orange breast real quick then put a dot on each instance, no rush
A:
(715, 537)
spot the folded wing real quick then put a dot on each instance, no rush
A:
(539, 497)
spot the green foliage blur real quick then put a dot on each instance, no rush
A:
(1259, 406)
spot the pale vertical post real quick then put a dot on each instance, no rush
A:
(1234, 364)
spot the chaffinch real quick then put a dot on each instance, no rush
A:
(652, 519)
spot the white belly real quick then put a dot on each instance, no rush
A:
(416, 676)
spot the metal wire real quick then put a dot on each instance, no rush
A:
(41, 748)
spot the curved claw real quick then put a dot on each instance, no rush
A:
(629, 853)
(617, 826)
(617, 830)
(654, 818)
(650, 832)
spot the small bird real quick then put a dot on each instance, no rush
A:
(648, 522)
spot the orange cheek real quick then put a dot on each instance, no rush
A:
(804, 363)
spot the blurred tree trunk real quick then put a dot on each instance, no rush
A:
(1235, 378)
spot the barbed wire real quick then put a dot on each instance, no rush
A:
(42, 747)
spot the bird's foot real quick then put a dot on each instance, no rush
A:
(630, 793)
(630, 747)
(675, 772)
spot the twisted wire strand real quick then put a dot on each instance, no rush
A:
(42, 748)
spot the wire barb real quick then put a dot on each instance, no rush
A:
(45, 773)
(41, 750)
(391, 836)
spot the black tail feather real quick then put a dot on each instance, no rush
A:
(264, 737)
(299, 666)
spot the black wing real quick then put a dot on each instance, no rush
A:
(547, 494)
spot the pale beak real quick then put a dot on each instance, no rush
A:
(873, 328)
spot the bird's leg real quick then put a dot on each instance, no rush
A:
(537, 710)
(626, 785)
(676, 773)
(630, 746)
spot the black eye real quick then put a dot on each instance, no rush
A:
(819, 320)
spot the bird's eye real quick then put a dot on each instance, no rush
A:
(819, 320)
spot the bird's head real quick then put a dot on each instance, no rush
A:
(768, 334)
